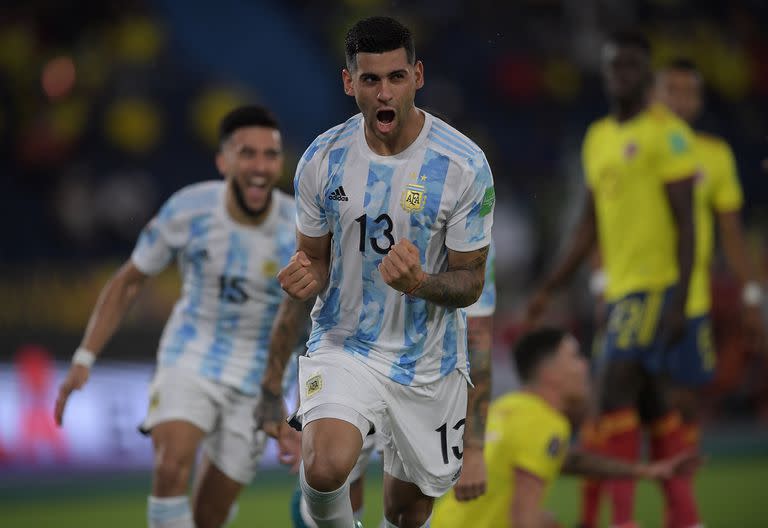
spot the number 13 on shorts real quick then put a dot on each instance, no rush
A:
(457, 451)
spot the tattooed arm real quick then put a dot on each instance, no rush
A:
(292, 316)
(457, 287)
(472, 482)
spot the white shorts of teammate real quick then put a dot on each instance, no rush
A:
(422, 426)
(232, 442)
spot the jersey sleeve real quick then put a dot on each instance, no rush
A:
(728, 195)
(486, 304)
(676, 158)
(469, 227)
(539, 447)
(160, 239)
(310, 214)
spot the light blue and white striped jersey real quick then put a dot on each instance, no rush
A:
(486, 304)
(439, 194)
(220, 327)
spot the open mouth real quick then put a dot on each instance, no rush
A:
(385, 116)
(256, 188)
(385, 120)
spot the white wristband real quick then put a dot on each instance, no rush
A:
(83, 357)
(752, 294)
(597, 282)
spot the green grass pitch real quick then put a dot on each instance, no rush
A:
(733, 492)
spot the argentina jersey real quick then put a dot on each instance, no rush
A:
(439, 194)
(220, 326)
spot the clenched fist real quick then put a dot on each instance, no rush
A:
(298, 278)
(401, 267)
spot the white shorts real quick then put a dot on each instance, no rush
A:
(423, 426)
(232, 442)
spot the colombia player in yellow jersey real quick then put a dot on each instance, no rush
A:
(527, 440)
(639, 166)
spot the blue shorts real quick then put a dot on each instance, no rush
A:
(692, 361)
(632, 332)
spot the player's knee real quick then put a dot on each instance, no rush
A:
(208, 515)
(410, 518)
(325, 473)
(414, 514)
(172, 474)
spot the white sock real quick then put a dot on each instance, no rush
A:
(358, 514)
(169, 512)
(232, 514)
(304, 512)
(331, 509)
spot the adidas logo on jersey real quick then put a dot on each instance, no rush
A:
(338, 194)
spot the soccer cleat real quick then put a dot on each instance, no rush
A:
(358, 524)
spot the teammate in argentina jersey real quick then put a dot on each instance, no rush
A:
(220, 326)
(438, 193)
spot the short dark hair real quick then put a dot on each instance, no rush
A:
(246, 116)
(631, 39)
(683, 64)
(377, 35)
(534, 348)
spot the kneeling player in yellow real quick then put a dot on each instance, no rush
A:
(527, 441)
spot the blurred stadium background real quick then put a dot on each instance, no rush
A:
(107, 107)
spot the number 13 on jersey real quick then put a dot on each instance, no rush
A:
(385, 245)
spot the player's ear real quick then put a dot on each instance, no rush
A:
(346, 78)
(221, 164)
(418, 71)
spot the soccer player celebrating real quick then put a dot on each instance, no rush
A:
(472, 482)
(394, 214)
(639, 166)
(230, 238)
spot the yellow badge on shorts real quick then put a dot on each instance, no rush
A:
(414, 198)
(269, 268)
(314, 385)
(154, 401)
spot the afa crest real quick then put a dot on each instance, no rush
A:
(314, 385)
(414, 198)
(270, 268)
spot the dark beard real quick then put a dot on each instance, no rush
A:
(240, 200)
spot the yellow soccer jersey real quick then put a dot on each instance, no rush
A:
(627, 166)
(523, 432)
(717, 191)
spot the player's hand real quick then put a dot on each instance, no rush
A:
(537, 305)
(270, 413)
(472, 482)
(289, 444)
(76, 378)
(672, 324)
(678, 465)
(401, 267)
(298, 278)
